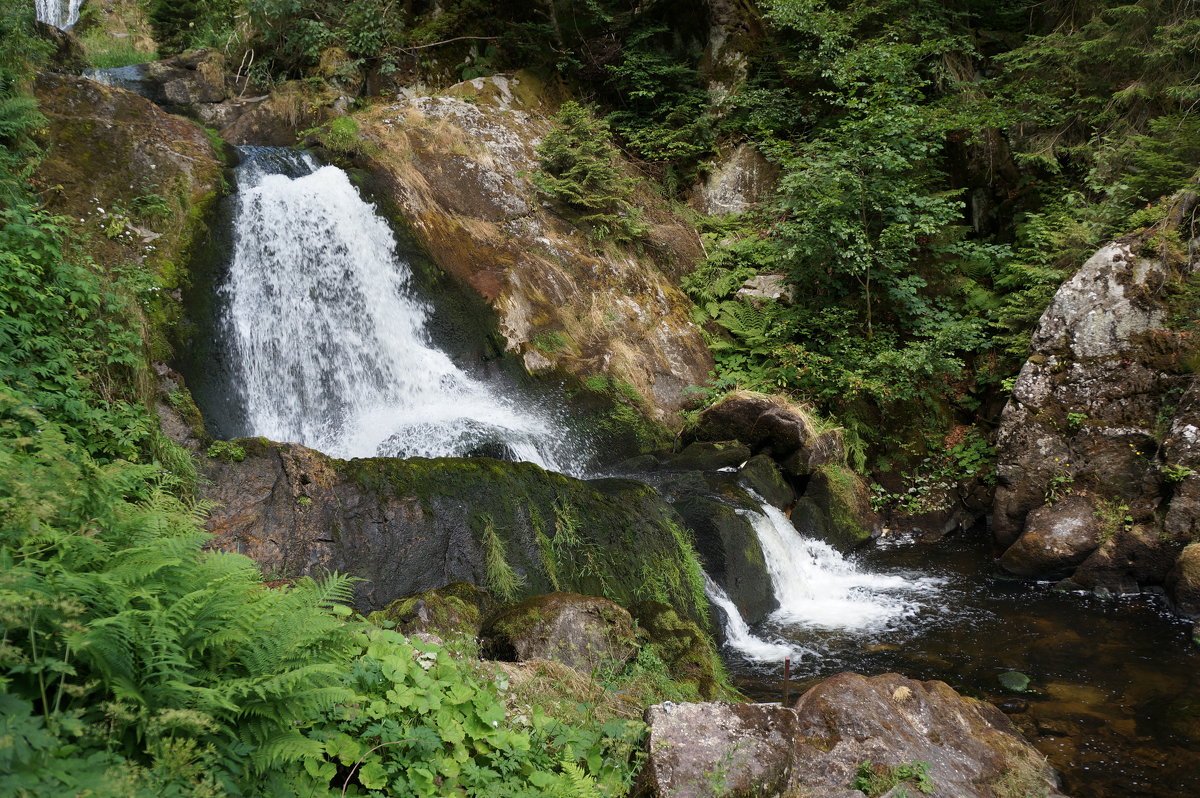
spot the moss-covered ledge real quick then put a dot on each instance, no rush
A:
(405, 526)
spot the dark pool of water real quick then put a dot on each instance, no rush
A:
(1115, 701)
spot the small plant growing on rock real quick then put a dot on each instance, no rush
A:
(876, 780)
(1114, 515)
(580, 167)
(1174, 472)
(227, 450)
(502, 581)
(1059, 487)
(1075, 421)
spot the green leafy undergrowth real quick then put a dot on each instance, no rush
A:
(423, 723)
(66, 340)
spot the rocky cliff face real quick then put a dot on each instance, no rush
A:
(1104, 411)
(457, 168)
(135, 182)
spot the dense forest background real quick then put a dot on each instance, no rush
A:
(944, 166)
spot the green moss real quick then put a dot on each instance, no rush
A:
(845, 503)
(227, 450)
(454, 612)
(686, 652)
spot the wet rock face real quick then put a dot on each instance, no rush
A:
(1105, 405)
(583, 632)
(816, 749)
(456, 167)
(407, 526)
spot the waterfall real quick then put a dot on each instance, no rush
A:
(817, 587)
(62, 14)
(737, 633)
(329, 338)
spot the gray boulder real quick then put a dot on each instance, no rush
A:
(1057, 537)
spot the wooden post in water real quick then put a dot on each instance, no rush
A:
(787, 678)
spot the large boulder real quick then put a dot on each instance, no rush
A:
(971, 748)
(407, 526)
(583, 632)
(1109, 380)
(717, 749)
(1057, 537)
(456, 167)
(922, 737)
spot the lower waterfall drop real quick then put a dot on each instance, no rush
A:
(328, 339)
(737, 633)
(818, 588)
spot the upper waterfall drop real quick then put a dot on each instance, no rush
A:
(62, 14)
(328, 336)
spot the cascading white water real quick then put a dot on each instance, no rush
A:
(819, 588)
(737, 633)
(62, 14)
(329, 340)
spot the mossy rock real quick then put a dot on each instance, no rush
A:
(708, 456)
(761, 475)
(835, 508)
(687, 651)
(456, 610)
(586, 633)
(412, 525)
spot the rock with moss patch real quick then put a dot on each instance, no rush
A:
(406, 526)
(761, 474)
(584, 632)
(454, 611)
(729, 548)
(836, 508)
(1184, 581)
(683, 647)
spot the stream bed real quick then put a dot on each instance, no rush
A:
(1113, 699)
